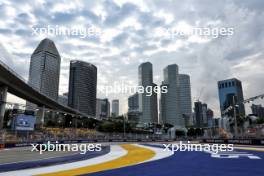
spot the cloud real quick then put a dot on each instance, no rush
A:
(130, 37)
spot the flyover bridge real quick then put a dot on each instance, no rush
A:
(11, 82)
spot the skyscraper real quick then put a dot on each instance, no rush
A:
(210, 116)
(44, 71)
(82, 87)
(102, 108)
(230, 90)
(147, 103)
(185, 95)
(115, 108)
(133, 108)
(133, 103)
(200, 110)
(170, 102)
(257, 110)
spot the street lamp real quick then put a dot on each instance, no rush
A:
(124, 126)
(235, 119)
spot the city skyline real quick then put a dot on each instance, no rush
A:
(132, 87)
(129, 44)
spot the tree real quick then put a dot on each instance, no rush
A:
(260, 120)
(191, 132)
(179, 133)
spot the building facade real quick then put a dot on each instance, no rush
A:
(147, 103)
(185, 96)
(170, 102)
(210, 117)
(44, 71)
(102, 108)
(115, 108)
(133, 103)
(133, 113)
(257, 110)
(200, 110)
(230, 91)
(82, 87)
(63, 99)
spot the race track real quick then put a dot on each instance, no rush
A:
(151, 160)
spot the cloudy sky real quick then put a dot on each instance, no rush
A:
(131, 34)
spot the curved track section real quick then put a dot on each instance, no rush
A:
(51, 160)
(152, 160)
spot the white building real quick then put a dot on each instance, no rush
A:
(147, 104)
(170, 102)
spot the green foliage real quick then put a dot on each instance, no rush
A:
(179, 133)
(260, 120)
(114, 126)
(195, 132)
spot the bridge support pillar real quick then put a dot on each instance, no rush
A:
(3, 95)
(42, 116)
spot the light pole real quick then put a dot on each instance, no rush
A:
(235, 115)
(124, 126)
(42, 116)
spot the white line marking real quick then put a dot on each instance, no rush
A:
(115, 152)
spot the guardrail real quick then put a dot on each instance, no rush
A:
(12, 71)
(236, 141)
(26, 144)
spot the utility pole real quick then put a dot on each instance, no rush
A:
(235, 118)
(124, 126)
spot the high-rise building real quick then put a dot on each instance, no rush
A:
(102, 108)
(198, 110)
(82, 87)
(185, 95)
(133, 108)
(133, 103)
(63, 99)
(257, 110)
(230, 92)
(115, 108)
(147, 102)
(98, 108)
(170, 102)
(210, 116)
(44, 71)
(203, 115)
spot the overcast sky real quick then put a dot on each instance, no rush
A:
(130, 37)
